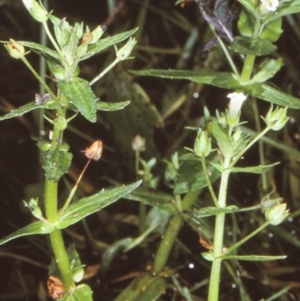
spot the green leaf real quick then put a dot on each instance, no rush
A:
(218, 79)
(267, 69)
(41, 49)
(191, 176)
(254, 169)
(165, 202)
(38, 227)
(250, 5)
(258, 47)
(107, 42)
(270, 94)
(109, 106)
(112, 251)
(50, 105)
(155, 219)
(86, 206)
(81, 292)
(207, 256)
(56, 163)
(226, 80)
(143, 288)
(254, 257)
(224, 143)
(272, 31)
(75, 263)
(209, 211)
(246, 24)
(79, 92)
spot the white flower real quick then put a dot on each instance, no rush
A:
(269, 5)
(37, 11)
(235, 105)
(28, 4)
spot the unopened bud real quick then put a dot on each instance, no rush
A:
(124, 52)
(97, 33)
(34, 208)
(276, 119)
(276, 214)
(37, 11)
(138, 144)
(94, 152)
(202, 145)
(15, 49)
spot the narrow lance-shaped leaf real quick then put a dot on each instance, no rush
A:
(165, 202)
(210, 211)
(37, 227)
(109, 106)
(219, 79)
(86, 206)
(107, 42)
(41, 49)
(254, 257)
(152, 288)
(226, 80)
(51, 105)
(254, 169)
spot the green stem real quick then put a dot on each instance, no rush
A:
(213, 291)
(225, 50)
(56, 239)
(172, 230)
(51, 202)
(115, 62)
(235, 246)
(62, 258)
(212, 193)
(264, 180)
(72, 192)
(52, 39)
(42, 82)
(167, 243)
(248, 67)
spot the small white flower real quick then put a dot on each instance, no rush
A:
(269, 5)
(28, 4)
(37, 11)
(235, 105)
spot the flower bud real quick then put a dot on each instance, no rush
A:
(202, 145)
(124, 52)
(138, 144)
(15, 49)
(94, 152)
(34, 208)
(61, 123)
(276, 119)
(37, 11)
(276, 214)
(97, 33)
